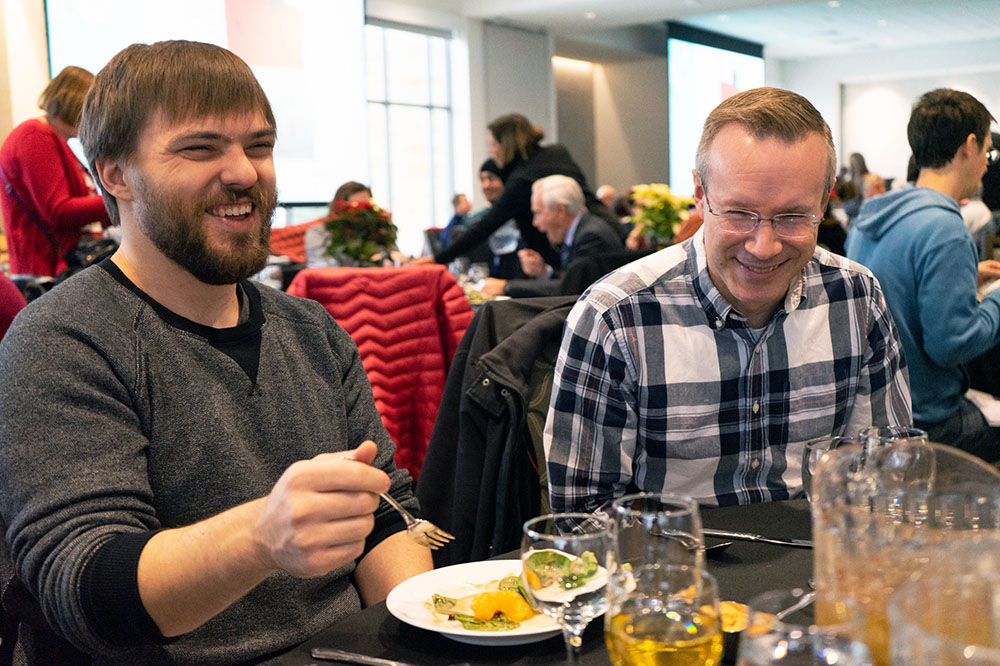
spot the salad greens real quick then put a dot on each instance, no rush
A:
(553, 567)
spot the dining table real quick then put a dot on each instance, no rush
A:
(743, 570)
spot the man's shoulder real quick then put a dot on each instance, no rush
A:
(90, 308)
(645, 275)
(831, 262)
(829, 274)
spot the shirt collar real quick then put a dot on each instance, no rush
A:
(571, 232)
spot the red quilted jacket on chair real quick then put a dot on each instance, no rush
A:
(407, 323)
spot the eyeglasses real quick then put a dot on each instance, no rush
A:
(786, 225)
(993, 156)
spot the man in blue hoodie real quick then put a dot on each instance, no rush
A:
(915, 242)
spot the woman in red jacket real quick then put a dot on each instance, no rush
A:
(48, 181)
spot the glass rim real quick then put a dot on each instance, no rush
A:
(849, 449)
(839, 439)
(603, 521)
(622, 503)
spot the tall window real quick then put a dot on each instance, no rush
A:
(409, 128)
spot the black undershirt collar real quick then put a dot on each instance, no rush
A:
(240, 343)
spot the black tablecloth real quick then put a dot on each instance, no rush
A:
(743, 570)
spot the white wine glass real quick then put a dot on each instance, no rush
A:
(662, 606)
(663, 614)
(563, 556)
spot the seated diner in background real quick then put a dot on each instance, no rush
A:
(704, 368)
(558, 212)
(193, 476)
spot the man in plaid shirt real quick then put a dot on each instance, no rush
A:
(704, 368)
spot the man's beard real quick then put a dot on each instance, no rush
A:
(177, 228)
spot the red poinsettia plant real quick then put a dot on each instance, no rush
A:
(360, 231)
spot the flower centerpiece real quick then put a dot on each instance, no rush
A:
(361, 233)
(661, 212)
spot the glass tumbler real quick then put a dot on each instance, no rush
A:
(947, 619)
(904, 508)
(783, 629)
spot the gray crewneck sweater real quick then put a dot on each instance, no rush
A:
(119, 418)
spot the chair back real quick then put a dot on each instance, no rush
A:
(290, 241)
(407, 323)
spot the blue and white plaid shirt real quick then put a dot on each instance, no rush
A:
(661, 385)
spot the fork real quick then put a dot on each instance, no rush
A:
(420, 531)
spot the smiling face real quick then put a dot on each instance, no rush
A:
(203, 192)
(767, 176)
(491, 184)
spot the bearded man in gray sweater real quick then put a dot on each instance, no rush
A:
(190, 462)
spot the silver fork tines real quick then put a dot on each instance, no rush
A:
(419, 530)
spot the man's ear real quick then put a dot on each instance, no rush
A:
(114, 179)
(699, 193)
(971, 147)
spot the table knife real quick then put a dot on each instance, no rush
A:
(747, 536)
(332, 654)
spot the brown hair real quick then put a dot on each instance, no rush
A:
(63, 96)
(180, 79)
(940, 122)
(767, 113)
(516, 136)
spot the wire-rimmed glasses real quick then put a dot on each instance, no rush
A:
(786, 225)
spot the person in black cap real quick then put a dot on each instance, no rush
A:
(500, 249)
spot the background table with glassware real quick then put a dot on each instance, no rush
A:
(743, 570)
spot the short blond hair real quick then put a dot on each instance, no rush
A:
(767, 113)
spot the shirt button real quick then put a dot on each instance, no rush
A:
(756, 350)
(718, 323)
(755, 464)
(486, 382)
(756, 406)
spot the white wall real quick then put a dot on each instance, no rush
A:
(630, 100)
(575, 108)
(517, 69)
(24, 61)
(881, 86)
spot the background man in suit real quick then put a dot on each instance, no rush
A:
(558, 209)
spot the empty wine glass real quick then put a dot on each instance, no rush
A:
(873, 437)
(563, 556)
(814, 450)
(652, 527)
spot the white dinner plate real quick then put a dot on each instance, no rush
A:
(410, 602)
